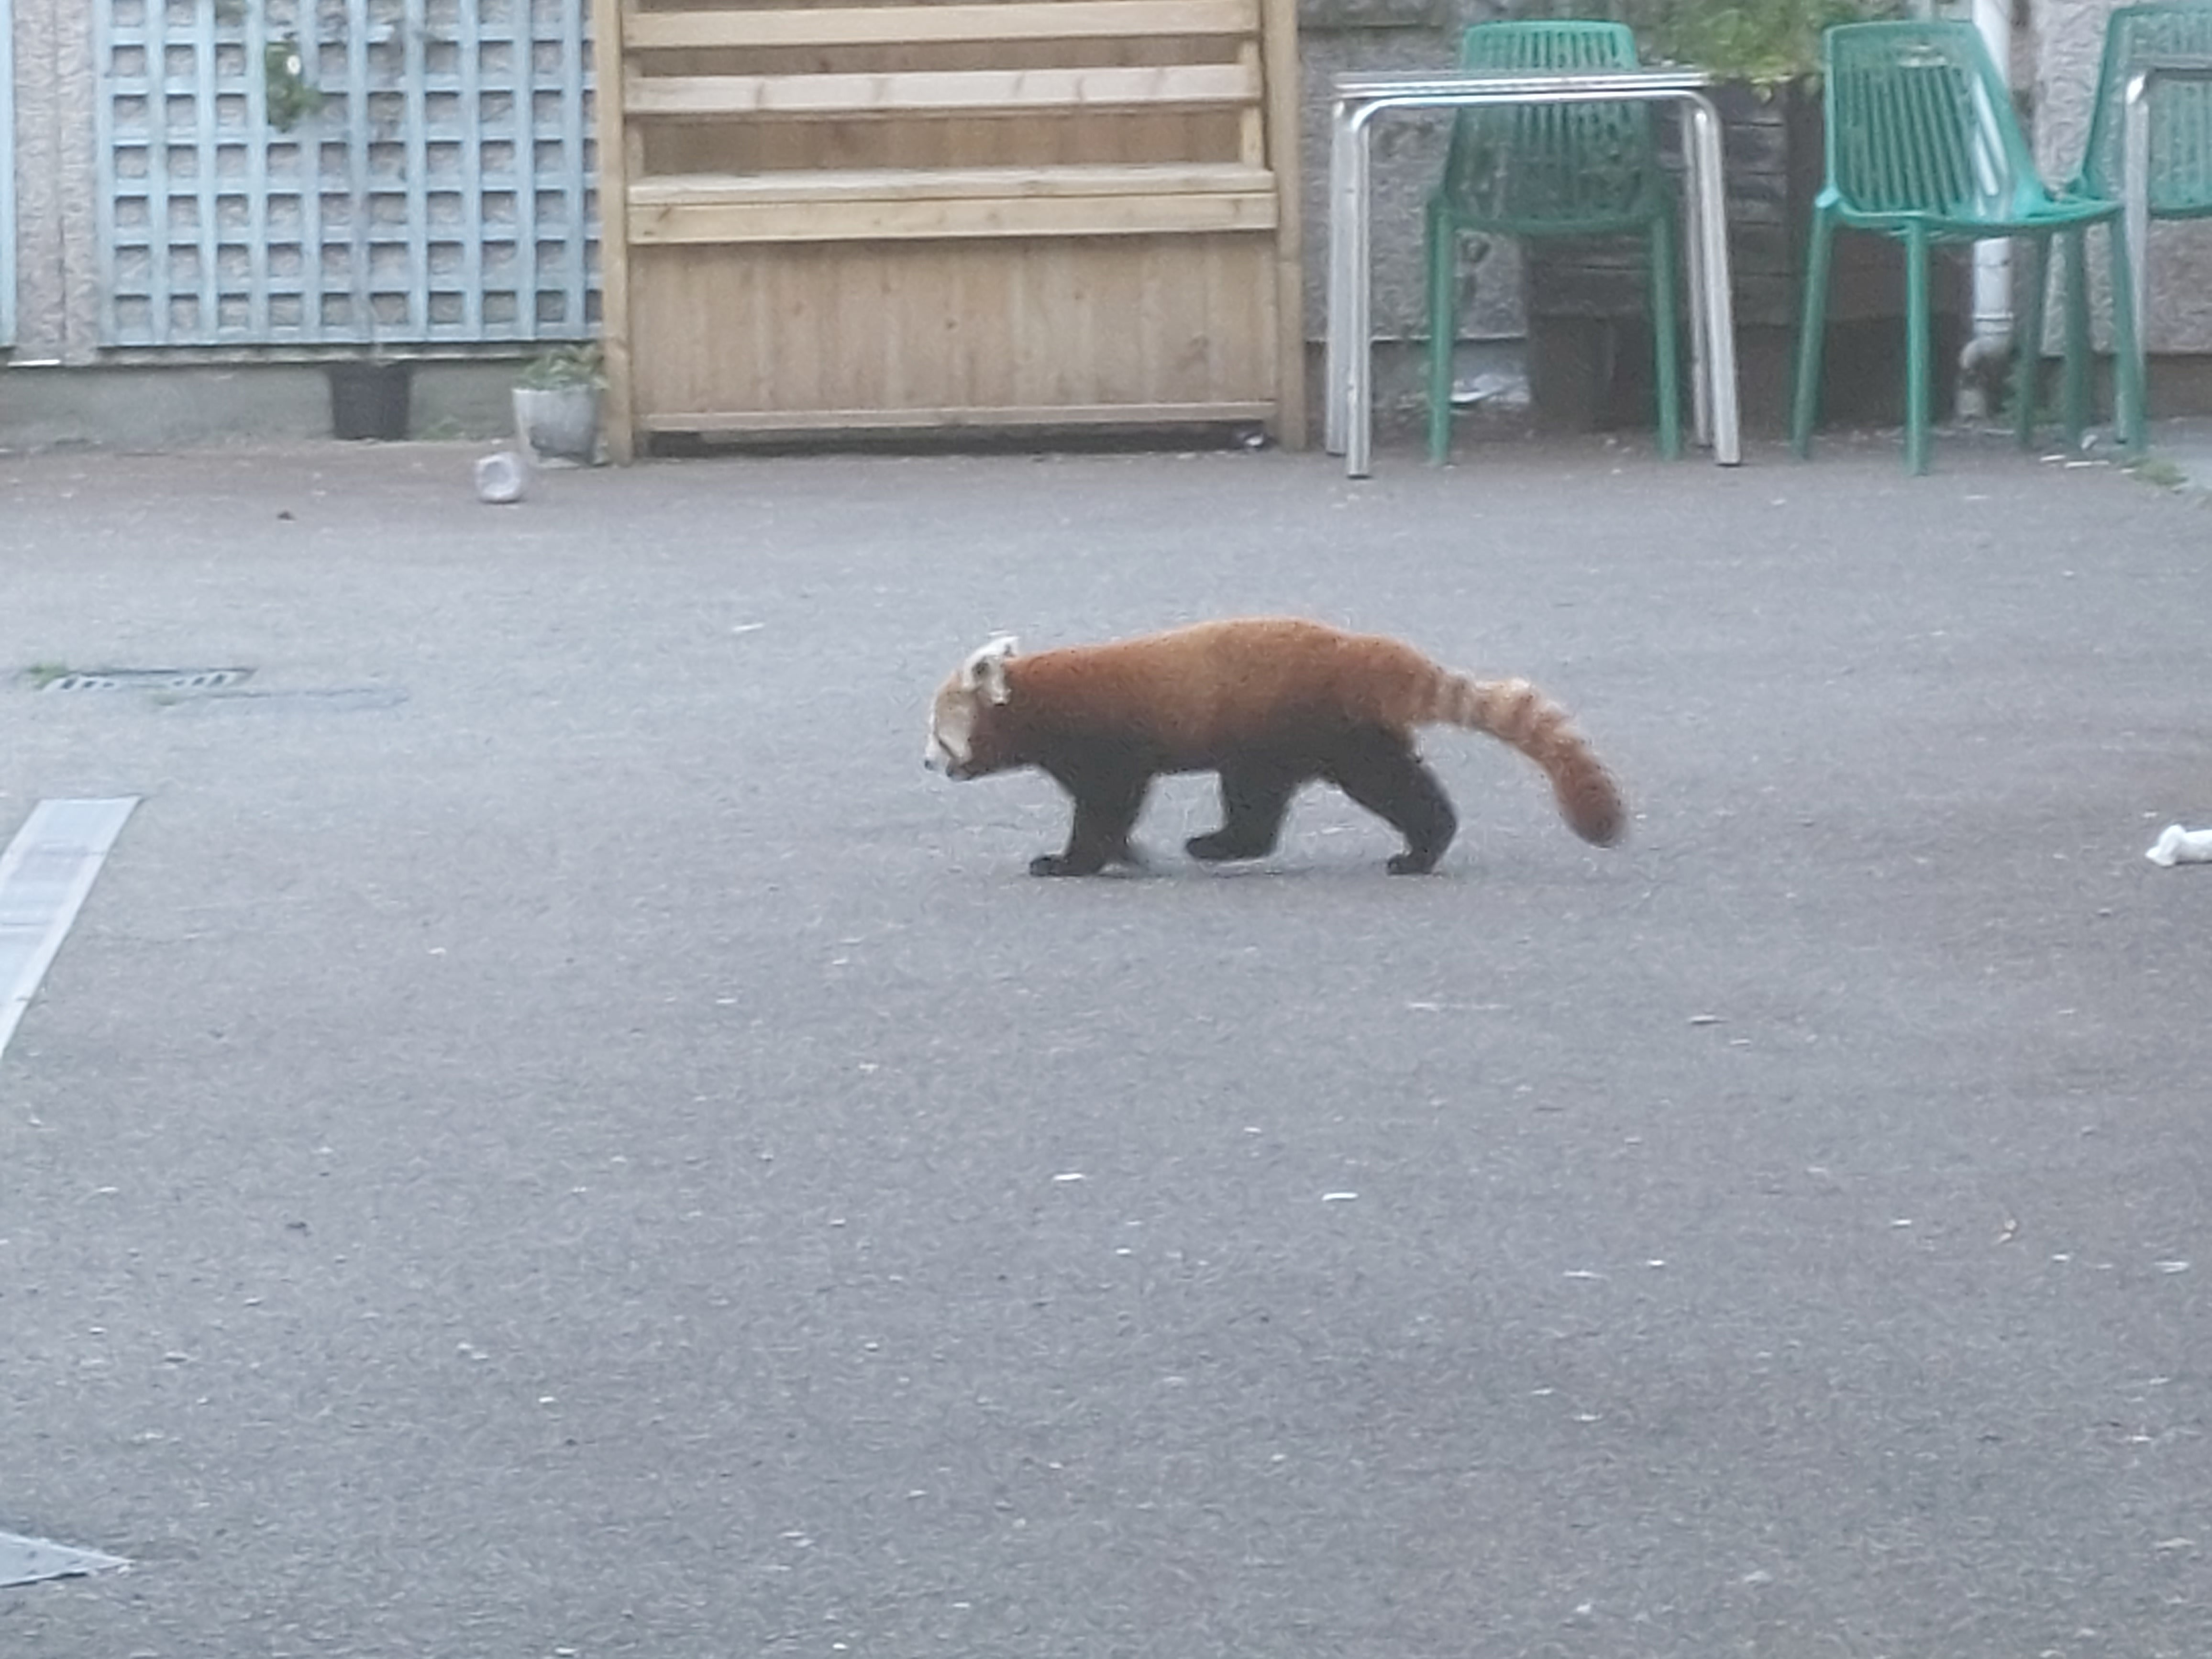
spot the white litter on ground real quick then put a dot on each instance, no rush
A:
(500, 478)
(2176, 845)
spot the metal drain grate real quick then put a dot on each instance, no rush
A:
(33, 1560)
(139, 680)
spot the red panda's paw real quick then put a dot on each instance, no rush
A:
(1058, 864)
(1063, 864)
(1412, 864)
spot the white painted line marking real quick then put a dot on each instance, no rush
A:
(30, 1560)
(45, 875)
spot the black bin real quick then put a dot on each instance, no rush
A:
(369, 400)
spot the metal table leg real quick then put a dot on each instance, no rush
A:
(1359, 388)
(1693, 251)
(1335, 339)
(1707, 162)
(2134, 190)
(1348, 364)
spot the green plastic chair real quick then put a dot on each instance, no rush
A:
(1554, 170)
(2180, 156)
(1922, 145)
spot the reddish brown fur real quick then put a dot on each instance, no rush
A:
(1268, 702)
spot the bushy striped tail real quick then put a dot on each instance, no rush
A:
(1517, 713)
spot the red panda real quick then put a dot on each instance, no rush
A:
(1270, 703)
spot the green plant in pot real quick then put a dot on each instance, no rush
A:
(557, 405)
(1760, 43)
(369, 393)
(579, 365)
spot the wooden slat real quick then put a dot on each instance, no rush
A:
(1279, 47)
(892, 184)
(857, 26)
(1053, 139)
(1252, 132)
(826, 220)
(949, 91)
(895, 420)
(611, 130)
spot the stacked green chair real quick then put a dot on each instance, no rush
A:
(1550, 170)
(1922, 145)
(2180, 155)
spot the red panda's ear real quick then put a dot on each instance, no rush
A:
(987, 668)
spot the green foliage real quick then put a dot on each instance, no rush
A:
(290, 96)
(1764, 42)
(563, 366)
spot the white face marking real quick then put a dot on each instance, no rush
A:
(981, 678)
(951, 728)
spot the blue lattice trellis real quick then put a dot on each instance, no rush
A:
(433, 184)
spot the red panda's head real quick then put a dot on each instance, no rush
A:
(961, 717)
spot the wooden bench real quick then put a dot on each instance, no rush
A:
(1008, 213)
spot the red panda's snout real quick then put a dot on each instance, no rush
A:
(963, 743)
(954, 718)
(938, 757)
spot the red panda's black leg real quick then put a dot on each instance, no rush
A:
(1108, 795)
(1379, 770)
(1254, 796)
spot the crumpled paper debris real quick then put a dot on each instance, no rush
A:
(2176, 845)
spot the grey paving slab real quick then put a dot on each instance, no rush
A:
(580, 1144)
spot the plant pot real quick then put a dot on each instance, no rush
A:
(559, 426)
(369, 399)
(1589, 338)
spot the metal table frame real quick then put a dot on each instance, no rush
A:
(2134, 192)
(1348, 375)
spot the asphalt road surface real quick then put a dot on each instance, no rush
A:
(553, 1136)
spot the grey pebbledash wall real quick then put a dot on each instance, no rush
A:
(56, 270)
(1338, 37)
(2065, 44)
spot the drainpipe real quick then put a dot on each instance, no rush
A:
(1982, 364)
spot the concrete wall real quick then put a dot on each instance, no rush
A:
(1340, 36)
(2067, 44)
(57, 294)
